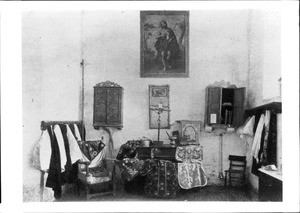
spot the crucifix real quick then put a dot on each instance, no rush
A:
(159, 109)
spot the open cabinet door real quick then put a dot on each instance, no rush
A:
(213, 101)
(238, 106)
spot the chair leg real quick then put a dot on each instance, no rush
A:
(225, 179)
(230, 180)
(114, 180)
(87, 191)
(42, 180)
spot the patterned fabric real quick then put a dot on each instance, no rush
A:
(189, 153)
(131, 167)
(128, 150)
(162, 180)
(191, 175)
(91, 149)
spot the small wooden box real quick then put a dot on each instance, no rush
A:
(187, 132)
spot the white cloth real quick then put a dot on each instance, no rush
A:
(61, 145)
(248, 129)
(75, 152)
(257, 137)
(77, 134)
(97, 160)
(41, 154)
(267, 118)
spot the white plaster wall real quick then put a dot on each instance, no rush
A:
(109, 41)
(51, 79)
(264, 57)
(111, 49)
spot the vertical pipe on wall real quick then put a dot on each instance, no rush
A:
(82, 71)
(82, 90)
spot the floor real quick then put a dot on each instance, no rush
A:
(207, 193)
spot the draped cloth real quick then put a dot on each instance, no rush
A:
(75, 152)
(54, 179)
(264, 156)
(191, 175)
(92, 151)
(190, 172)
(128, 163)
(41, 153)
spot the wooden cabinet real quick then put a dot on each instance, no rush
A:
(108, 98)
(225, 105)
(270, 186)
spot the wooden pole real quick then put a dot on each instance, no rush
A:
(82, 96)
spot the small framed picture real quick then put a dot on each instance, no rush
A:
(159, 101)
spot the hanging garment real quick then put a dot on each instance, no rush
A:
(61, 145)
(54, 179)
(77, 134)
(75, 152)
(257, 138)
(41, 153)
(263, 156)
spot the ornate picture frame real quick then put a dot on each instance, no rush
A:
(164, 44)
(159, 100)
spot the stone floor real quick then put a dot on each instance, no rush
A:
(207, 193)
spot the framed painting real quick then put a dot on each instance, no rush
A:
(164, 44)
(159, 109)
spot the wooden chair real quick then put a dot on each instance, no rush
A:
(100, 179)
(104, 180)
(237, 170)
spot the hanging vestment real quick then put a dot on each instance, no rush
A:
(61, 145)
(54, 179)
(75, 152)
(263, 156)
(41, 153)
(257, 138)
(77, 133)
(190, 172)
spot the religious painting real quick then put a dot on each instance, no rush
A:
(159, 116)
(164, 44)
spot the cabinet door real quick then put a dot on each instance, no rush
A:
(213, 105)
(100, 106)
(113, 106)
(238, 106)
(108, 107)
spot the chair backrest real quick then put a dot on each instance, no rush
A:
(237, 162)
(80, 125)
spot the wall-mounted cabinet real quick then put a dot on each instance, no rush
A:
(108, 98)
(224, 105)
